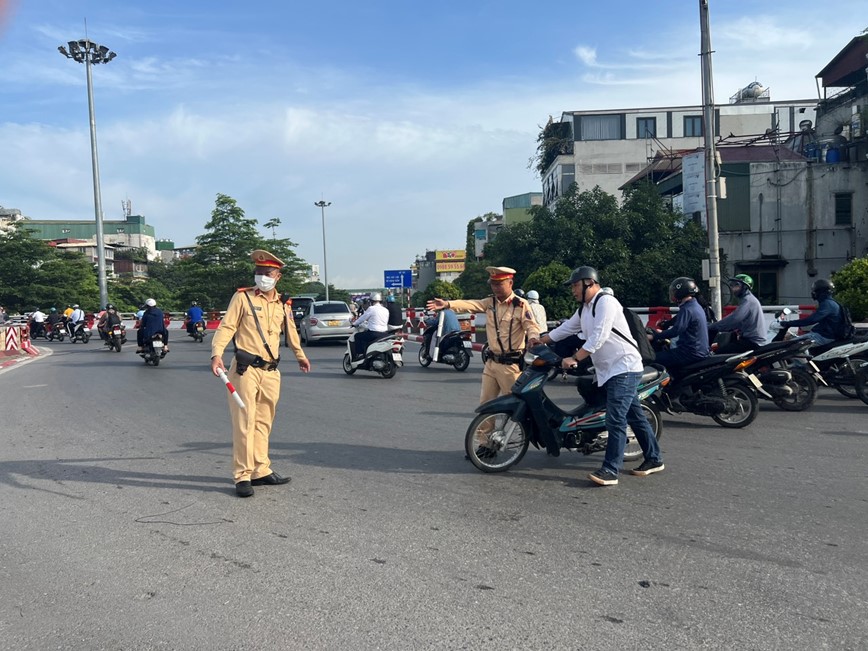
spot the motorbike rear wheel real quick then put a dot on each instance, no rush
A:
(495, 442)
(390, 369)
(462, 360)
(849, 389)
(424, 360)
(633, 451)
(156, 361)
(862, 384)
(85, 338)
(804, 391)
(348, 367)
(746, 407)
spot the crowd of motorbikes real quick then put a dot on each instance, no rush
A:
(727, 388)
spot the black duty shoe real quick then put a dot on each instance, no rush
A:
(648, 468)
(604, 477)
(270, 480)
(244, 489)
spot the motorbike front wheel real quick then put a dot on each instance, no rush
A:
(117, 345)
(633, 451)
(85, 338)
(495, 442)
(744, 408)
(424, 360)
(348, 367)
(804, 391)
(462, 360)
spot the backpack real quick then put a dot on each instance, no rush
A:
(846, 329)
(637, 330)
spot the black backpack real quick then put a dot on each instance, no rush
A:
(846, 329)
(637, 330)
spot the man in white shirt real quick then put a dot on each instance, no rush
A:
(377, 319)
(37, 323)
(618, 365)
(76, 317)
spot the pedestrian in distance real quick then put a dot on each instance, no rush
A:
(255, 319)
(509, 327)
(618, 364)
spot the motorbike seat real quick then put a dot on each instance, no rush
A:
(383, 335)
(649, 374)
(711, 360)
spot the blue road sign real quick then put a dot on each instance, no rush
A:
(397, 278)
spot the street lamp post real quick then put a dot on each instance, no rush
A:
(325, 265)
(87, 52)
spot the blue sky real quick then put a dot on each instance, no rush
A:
(410, 118)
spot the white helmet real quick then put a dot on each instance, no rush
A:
(607, 290)
(532, 295)
(151, 302)
(376, 297)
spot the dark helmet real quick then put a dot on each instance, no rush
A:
(519, 293)
(583, 273)
(109, 306)
(681, 288)
(822, 287)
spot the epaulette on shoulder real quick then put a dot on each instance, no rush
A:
(245, 289)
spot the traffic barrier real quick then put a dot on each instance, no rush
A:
(16, 341)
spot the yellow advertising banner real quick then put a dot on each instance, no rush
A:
(453, 254)
(449, 267)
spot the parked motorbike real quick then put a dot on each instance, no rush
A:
(500, 435)
(116, 337)
(384, 355)
(80, 332)
(716, 386)
(198, 332)
(56, 331)
(154, 350)
(454, 348)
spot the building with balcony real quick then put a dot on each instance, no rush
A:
(130, 232)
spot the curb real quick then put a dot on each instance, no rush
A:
(12, 363)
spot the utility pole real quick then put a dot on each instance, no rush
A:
(325, 265)
(710, 159)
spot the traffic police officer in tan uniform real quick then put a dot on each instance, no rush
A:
(508, 321)
(255, 319)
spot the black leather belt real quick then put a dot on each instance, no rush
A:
(506, 358)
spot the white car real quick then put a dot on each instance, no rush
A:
(326, 320)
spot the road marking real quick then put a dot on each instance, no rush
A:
(35, 386)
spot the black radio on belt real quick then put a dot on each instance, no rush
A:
(243, 360)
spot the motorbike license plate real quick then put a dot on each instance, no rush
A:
(333, 324)
(157, 344)
(398, 357)
(85, 329)
(755, 381)
(467, 344)
(116, 332)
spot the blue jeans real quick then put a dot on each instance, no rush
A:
(622, 407)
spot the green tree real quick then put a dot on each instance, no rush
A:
(273, 223)
(436, 289)
(556, 297)
(473, 281)
(20, 257)
(851, 287)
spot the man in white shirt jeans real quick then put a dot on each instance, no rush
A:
(377, 319)
(618, 365)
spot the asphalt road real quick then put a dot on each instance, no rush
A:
(121, 530)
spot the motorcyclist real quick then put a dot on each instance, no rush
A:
(827, 319)
(37, 323)
(53, 318)
(539, 312)
(450, 324)
(747, 319)
(107, 321)
(194, 316)
(396, 319)
(151, 324)
(690, 327)
(74, 319)
(377, 319)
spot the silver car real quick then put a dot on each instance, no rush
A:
(326, 320)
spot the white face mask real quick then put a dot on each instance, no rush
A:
(265, 283)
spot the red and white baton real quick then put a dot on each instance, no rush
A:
(233, 393)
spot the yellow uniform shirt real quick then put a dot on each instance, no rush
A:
(513, 321)
(238, 322)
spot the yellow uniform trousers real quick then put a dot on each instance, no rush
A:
(251, 427)
(497, 380)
